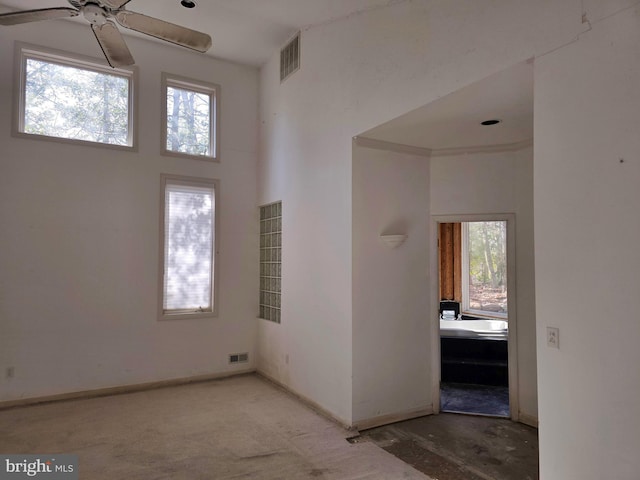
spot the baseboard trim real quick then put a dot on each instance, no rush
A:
(307, 401)
(122, 389)
(393, 418)
(528, 420)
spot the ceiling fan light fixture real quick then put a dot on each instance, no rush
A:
(188, 3)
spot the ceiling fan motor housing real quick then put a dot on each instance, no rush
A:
(94, 14)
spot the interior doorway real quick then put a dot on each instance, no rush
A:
(475, 322)
(480, 160)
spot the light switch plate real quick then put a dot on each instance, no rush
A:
(553, 337)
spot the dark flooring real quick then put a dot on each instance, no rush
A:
(462, 447)
(476, 399)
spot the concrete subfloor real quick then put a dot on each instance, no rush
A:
(462, 447)
(246, 427)
(240, 427)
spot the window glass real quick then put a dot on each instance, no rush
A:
(189, 211)
(270, 261)
(485, 267)
(190, 118)
(188, 121)
(76, 103)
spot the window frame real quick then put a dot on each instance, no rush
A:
(198, 86)
(166, 179)
(25, 51)
(464, 277)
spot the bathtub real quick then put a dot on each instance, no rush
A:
(479, 328)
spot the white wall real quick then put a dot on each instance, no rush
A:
(587, 256)
(357, 73)
(79, 237)
(492, 183)
(310, 351)
(391, 327)
(474, 183)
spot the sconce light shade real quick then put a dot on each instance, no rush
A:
(393, 241)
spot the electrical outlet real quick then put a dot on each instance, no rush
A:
(553, 337)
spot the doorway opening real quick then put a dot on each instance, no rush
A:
(474, 320)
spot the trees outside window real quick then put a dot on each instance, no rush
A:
(188, 122)
(189, 118)
(484, 248)
(69, 99)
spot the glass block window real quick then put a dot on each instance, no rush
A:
(270, 261)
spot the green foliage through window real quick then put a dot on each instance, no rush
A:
(486, 245)
(74, 103)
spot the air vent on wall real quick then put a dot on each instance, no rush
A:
(290, 58)
(239, 358)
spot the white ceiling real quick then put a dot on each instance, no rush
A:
(454, 121)
(243, 31)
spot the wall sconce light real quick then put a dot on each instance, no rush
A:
(393, 241)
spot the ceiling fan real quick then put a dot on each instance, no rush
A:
(99, 13)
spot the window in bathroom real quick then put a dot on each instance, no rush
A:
(484, 268)
(473, 266)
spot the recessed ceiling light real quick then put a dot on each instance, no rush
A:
(188, 3)
(491, 122)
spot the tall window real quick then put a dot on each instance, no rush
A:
(189, 118)
(73, 99)
(270, 261)
(188, 247)
(484, 268)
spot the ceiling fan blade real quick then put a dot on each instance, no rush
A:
(164, 30)
(115, 4)
(113, 45)
(26, 16)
